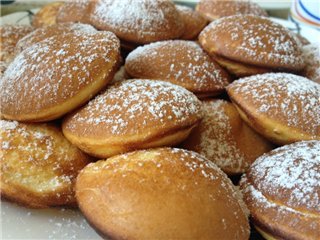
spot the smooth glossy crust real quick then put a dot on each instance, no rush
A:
(129, 196)
(134, 114)
(47, 15)
(253, 40)
(58, 74)
(282, 107)
(214, 9)
(38, 165)
(282, 191)
(138, 21)
(180, 62)
(223, 138)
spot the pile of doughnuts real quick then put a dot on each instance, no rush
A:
(115, 107)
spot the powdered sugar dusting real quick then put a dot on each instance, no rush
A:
(291, 172)
(149, 102)
(292, 99)
(181, 62)
(311, 55)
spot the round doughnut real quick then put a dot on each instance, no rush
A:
(47, 15)
(193, 22)
(74, 11)
(280, 106)
(56, 75)
(9, 36)
(214, 9)
(311, 54)
(137, 21)
(38, 165)
(48, 31)
(120, 75)
(133, 114)
(223, 138)
(242, 42)
(180, 62)
(282, 192)
(161, 193)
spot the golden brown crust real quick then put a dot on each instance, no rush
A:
(133, 114)
(193, 22)
(74, 11)
(253, 40)
(129, 196)
(180, 62)
(214, 9)
(137, 21)
(57, 75)
(38, 165)
(282, 192)
(282, 107)
(9, 36)
(311, 54)
(47, 15)
(223, 138)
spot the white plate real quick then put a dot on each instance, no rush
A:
(22, 223)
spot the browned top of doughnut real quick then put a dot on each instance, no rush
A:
(38, 164)
(47, 15)
(193, 22)
(225, 139)
(9, 36)
(253, 40)
(214, 9)
(181, 62)
(48, 31)
(52, 71)
(282, 191)
(193, 195)
(74, 11)
(311, 54)
(134, 107)
(288, 99)
(138, 21)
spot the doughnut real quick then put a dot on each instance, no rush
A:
(300, 39)
(74, 11)
(282, 192)
(214, 9)
(9, 36)
(120, 75)
(137, 21)
(161, 193)
(180, 62)
(311, 54)
(131, 115)
(57, 75)
(248, 45)
(47, 15)
(282, 107)
(48, 31)
(223, 138)
(193, 22)
(38, 165)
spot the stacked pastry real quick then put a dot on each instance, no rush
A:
(116, 121)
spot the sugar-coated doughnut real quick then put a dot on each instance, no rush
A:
(282, 192)
(56, 75)
(137, 21)
(214, 9)
(161, 194)
(133, 114)
(38, 164)
(193, 22)
(311, 54)
(74, 11)
(47, 15)
(242, 42)
(180, 62)
(9, 36)
(223, 138)
(280, 106)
